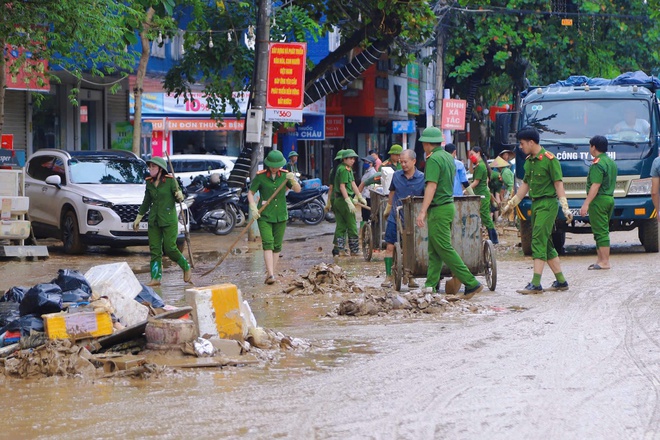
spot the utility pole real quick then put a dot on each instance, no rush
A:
(439, 75)
(260, 89)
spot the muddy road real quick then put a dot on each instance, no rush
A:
(578, 364)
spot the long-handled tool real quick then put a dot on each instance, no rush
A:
(186, 233)
(247, 227)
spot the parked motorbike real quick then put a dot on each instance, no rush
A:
(307, 205)
(212, 204)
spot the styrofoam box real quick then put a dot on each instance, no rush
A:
(14, 229)
(119, 284)
(9, 183)
(217, 311)
(18, 206)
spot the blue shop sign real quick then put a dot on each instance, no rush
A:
(312, 128)
(403, 126)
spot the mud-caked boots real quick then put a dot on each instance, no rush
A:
(156, 274)
(340, 247)
(492, 235)
(354, 245)
(187, 273)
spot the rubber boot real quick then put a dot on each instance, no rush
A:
(341, 246)
(187, 273)
(354, 245)
(388, 265)
(156, 274)
(492, 234)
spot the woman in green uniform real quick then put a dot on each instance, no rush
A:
(272, 220)
(344, 206)
(159, 200)
(479, 185)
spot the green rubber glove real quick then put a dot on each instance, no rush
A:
(136, 223)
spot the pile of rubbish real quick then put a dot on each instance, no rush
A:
(408, 303)
(324, 279)
(106, 323)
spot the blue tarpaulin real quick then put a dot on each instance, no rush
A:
(625, 79)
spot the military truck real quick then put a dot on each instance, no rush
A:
(567, 114)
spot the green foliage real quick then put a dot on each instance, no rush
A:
(514, 39)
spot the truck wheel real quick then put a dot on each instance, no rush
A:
(71, 234)
(526, 236)
(648, 235)
(558, 241)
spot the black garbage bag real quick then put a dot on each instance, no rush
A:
(75, 296)
(149, 296)
(8, 313)
(25, 324)
(41, 299)
(69, 279)
(15, 294)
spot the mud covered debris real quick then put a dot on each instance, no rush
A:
(323, 279)
(406, 303)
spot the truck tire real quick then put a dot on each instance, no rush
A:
(648, 235)
(526, 236)
(558, 241)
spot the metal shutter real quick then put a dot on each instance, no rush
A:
(15, 119)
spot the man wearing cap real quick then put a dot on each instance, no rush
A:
(378, 163)
(599, 204)
(460, 179)
(543, 180)
(394, 161)
(344, 206)
(438, 206)
(292, 164)
(272, 220)
(160, 195)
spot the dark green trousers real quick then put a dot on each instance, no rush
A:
(600, 212)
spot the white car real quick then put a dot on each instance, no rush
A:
(189, 166)
(88, 198)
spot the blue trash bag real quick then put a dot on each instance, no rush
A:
(75, 296)
(149, 296)
(15, 294)
(69, 279)
(25, 324)
(42, 299)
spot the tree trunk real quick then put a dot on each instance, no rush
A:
(139, 80)
(3, 87)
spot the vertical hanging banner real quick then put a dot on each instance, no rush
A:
(286, 82)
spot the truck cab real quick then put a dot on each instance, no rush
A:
(567, 115)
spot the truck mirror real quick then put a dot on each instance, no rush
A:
(505, 128)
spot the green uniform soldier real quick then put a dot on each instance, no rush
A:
(543, 180)
(394, 161)
(344, 206)
(272, 220)
(438, 204)
(292, 164)
(599, 204)
(480, 179)
(160, 195)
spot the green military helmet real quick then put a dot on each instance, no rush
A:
(395, 149)
(275, 159)
(292, 154)
(432, 135)
(339, 155)
(159, 161)
(349, 153)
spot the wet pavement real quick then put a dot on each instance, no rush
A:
(576, 364)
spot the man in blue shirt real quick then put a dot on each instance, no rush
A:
(408, 181)
(460, 179)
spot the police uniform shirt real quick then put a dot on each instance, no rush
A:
(603, 170)
(263, 182)
(440, 169)
(541, 173)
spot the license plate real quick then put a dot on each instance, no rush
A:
(143, 226)
(575, 212)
